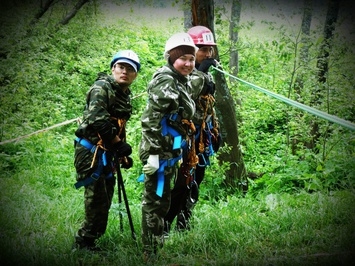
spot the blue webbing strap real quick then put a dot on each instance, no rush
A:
(210, 152)
(162, 165)
(160, 173)
(167, 129)
(209, 134)
(102, 162)
(177, 144)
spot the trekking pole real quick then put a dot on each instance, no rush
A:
(121, 188)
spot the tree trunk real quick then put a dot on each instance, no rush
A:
(303, 61)
(328, 32)
(323, 64)
(203, 14)
(233, 35)
(43, 9)
(187, 15)
(304, 57)
(73, 12)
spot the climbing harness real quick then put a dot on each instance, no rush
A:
(98, 151)
(177, 144)
(207, 131)
(121, 125)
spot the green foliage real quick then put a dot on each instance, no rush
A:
(301, 203)
(274, 136)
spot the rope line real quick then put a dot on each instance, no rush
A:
(54, 126)
(311, 110)
(41, 130)
(324, 115)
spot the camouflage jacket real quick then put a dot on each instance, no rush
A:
(167, 91)
(105, 101)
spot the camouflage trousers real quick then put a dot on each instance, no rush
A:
(154, 209)
(97, 199)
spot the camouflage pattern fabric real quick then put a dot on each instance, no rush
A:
(97, 199)
(105, 100)
(167, 92)
(199, 82)
(154, 210)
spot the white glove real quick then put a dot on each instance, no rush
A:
(152, 165)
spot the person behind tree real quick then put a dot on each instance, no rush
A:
(166, 125)
(101, 140)
(184, 195)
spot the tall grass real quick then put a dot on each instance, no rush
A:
(41, 211)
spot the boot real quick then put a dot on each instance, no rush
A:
(87, 243)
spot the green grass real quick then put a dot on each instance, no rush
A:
(41, 211)
(276, 223)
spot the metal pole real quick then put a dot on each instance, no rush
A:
(121, 188)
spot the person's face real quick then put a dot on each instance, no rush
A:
(203, 53)
(124, 74)
(185, 64)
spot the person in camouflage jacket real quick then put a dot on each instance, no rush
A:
(99, 138)
(184, 195)
(168, 97)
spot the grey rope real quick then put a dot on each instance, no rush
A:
(329, 117)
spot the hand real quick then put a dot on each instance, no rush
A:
(205, 64)
(122, 149)
(152, 165)
(127, 162)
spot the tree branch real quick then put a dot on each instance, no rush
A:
(72, 14)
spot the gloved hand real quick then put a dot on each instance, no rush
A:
(127, 162)
(121, 149)
(205, 65)
(210, 88)
(152, 164)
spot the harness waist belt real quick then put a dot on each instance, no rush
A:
(102, 161)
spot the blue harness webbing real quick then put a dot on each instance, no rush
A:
(209, 151)
(101, 163)
(167, 129)
(178, 143)
(162, 165)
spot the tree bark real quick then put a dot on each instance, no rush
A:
(233, 35)
(328, 32)
(236, 176)
(304, 56)
(303, 63)
(187, 14)
(323, 64)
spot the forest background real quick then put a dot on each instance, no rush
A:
(300, 209)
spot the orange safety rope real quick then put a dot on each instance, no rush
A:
(209, 103)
